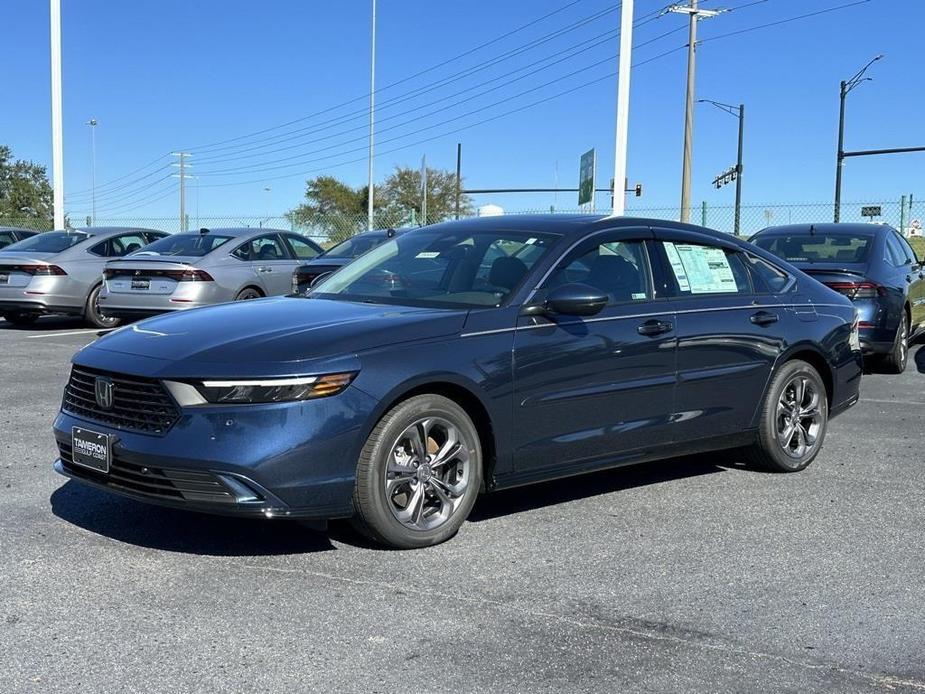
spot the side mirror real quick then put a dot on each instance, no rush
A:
(576, 300)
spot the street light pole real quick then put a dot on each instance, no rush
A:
(93, 123)
(57, 126)
(623, 106)
(372, 120)
(845, 87)
(739, 113)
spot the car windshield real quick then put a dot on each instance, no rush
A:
(196, 245)
(356, 246)
(817, 248)
(440, 268)
(49, 242)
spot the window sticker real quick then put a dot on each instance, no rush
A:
(427, 254)
(705, 270)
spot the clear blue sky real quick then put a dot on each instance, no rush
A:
(171, 74)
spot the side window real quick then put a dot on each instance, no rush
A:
(910, 251)
(126, 243)
(700, 269)
(262, 248)
(302, 249)
(894, 254)
(617, 268)
(153, 236)
(767, 277)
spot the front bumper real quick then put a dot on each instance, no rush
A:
(293, 460)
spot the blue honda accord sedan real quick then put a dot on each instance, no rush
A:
(505, 351)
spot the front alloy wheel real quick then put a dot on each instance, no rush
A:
(419, 473)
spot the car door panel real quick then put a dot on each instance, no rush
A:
(593, 390)
(728, 343)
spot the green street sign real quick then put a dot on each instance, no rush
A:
(586, 179)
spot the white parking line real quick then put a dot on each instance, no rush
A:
(69, 332)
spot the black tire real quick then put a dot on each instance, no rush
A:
(93, 316)
(248, 293)
(21, 318)
(769, 451)
(383, 493)
(895, 361)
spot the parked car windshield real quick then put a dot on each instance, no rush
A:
(817, 248)
(49, 242)
(356, 246)
(196, 245)
(436, 268)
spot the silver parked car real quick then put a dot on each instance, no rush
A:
(210, 266)
(61, 272)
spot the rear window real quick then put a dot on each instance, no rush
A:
(817, 248)
(49, 242)
(6, 238)
(196, 245)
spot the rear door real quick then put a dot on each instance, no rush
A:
(270, 261)
(915, 276)
(730, 333)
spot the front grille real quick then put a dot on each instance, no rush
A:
(162, 483)
(139, 404)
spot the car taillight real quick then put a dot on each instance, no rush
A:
(40, 270)
(857, 290)
(189, 275)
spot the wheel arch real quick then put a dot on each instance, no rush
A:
(812, 355)
(464, 394)
(250, 285)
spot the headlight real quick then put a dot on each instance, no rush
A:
(258, 390)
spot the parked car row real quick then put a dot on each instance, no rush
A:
(452, 360)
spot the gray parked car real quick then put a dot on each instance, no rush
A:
(61, 272)
(210, 266)
(10, 235)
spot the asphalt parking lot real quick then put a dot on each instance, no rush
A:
(690, 575)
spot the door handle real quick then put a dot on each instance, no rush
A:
(764, 318)
(654, 327)
(264, 269)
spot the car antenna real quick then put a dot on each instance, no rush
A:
(203, 230)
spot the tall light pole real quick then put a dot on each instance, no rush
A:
(623, 108)
(844, 88)
(739, 113)
(182, 175)
(93, 123)
(372, 119)
(57, 126)
(694, 15)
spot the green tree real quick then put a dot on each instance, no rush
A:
(402, 193)
(25, 194)
(332, 206)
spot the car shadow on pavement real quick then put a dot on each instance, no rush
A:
(175, 530)
(584, 486)
(46, 324)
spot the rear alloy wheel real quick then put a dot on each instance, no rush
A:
(248, 293)
(92, 314)
(419, 474)
(793, 421)
(895, 361)
(21, 318)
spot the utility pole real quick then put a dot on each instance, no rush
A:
(424, 191)
(182, 176)
(719, 181)
(845, 86)
(458, 174)
(93, 123)
(57, 126)
(372, 120)
(621, 134)
(694, 15)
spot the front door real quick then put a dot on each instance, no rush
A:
(591, 391)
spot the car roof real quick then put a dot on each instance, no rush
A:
(828, 228)
(31, 231)
(572, 224)
(102, 231)
(237, 231)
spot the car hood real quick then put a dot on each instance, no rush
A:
(266, 337)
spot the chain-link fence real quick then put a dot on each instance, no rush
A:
(331, 228)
